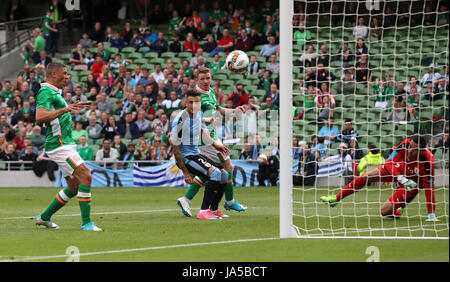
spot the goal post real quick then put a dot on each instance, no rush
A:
(402, 45)
(286, 226)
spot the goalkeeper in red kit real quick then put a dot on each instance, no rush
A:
(411, 166)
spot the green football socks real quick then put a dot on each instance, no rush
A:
(60, 200)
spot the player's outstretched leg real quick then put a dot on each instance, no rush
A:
(83, 174)
(185, 202)
(357, 184)
(59, 201)
(395, 206)
(230, 202)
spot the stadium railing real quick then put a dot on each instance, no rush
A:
(17, 33)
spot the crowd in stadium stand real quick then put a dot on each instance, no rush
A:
(131, 108)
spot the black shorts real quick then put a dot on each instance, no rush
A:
(198, 165)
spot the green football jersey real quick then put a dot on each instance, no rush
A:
(209, 109)
(59, 130)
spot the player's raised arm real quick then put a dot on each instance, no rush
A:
(44, 115)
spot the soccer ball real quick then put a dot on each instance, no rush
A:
(237, 61)
(262, 158)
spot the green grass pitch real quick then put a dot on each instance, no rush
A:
(145, 224)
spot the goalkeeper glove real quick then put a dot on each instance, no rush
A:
(409, 184)
(431, 217)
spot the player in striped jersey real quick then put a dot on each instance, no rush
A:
(52, 110)
(209, 107)
(411, 165)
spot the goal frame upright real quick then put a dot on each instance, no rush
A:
(287, 229)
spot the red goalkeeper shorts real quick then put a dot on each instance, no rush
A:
(401, 197)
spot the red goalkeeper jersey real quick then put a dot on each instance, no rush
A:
(419, 170)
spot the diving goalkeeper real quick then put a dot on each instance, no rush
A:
(411, 165)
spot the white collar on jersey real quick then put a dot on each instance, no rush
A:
(50, 86)
(201, 90)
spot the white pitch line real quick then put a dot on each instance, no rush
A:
(142, 249)
(98, 213)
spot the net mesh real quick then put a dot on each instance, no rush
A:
(380, 68)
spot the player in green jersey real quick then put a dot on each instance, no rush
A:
(209, 107)
(52, 110)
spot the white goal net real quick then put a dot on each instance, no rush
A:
(366, 75)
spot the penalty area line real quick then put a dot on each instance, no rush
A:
(141, 249)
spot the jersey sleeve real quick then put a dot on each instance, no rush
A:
(44, 100)
(176, 135)
(426, 181)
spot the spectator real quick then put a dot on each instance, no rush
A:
(26, 142)
(253, 66)
(225, 44)
(301, 35)
(10, 155)
(376, 29)
(216, 64)
(129, 129)
(382, 100)
(103, 104)
(296, 148)
(85, 42)
(348, 132)
(158, 133)
(38, 44)
(329, 132)
(88, 60)
(320, 149)
(7, 92)
(270, 48)
(441, 143)
(401, 93)
(97, 34)
(268, 169)
(308, 59)
(194, 61)
(324, 58)
(363, 73)
(346, 161)
(158, 75)
(160, 45)
(307, 168)
(398, 114)
(142, 122)
(273, 93)
(191, 44)
(210, 44)
(173, 104)
(354, 151)
(97, 66)
(413, 83)
(361, 30)
(175, 46)
(43, 58)
(325, 102)
(442, 86)
(117, 41)
(360, 49)
(249, 153)
(126, 34)
(243, 41)
(273, 65)
(26, 93)
(442, 17)
(107, 155)
(119, 146)
(324, 75)
(175, 22)
(78, 132)
(239, 96)
(77, 58)
(86, 152)
(347, 84)
(371, 160)
(94, 129)
(413, 102)
(37, 139)
(128, 157)
(345, 55)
